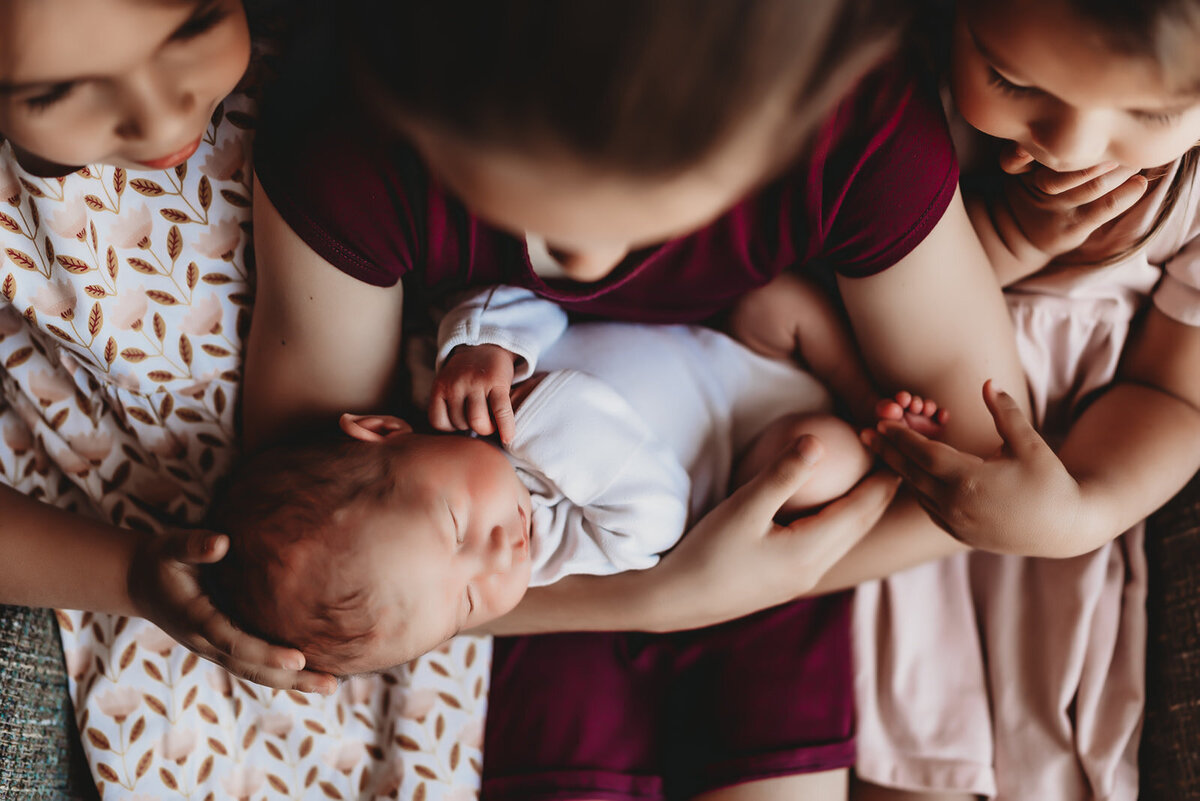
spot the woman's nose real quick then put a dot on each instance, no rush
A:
(1074, 139)
(588, 265)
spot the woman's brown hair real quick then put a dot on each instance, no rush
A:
(644, 86)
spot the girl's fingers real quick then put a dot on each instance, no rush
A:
(1015, 161)
(1097, 188)
(218, 631)
(936, 458)
(501, 403)
(479, 416)
(305, 681)
(195, 546)
(917, 477)
(1011, 423)
(1049, 182)
(761, 498)
(1113, 204)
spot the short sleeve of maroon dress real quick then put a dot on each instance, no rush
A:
(877, 178)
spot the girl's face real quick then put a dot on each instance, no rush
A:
(590, 217)
(1044, 79)
(131, 83)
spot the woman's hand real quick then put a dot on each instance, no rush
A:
(738, 560)
(735, 561)
(164, 586)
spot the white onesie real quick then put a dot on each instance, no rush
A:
(633, 432)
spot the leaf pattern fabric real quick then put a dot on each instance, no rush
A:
(124, 301)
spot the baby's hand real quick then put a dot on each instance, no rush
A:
(472, 389)
(1042, 214)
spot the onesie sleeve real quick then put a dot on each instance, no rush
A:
(883, 173)
(1178, 294)
(608, 494)
(514, 318)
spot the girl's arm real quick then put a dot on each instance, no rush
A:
(1127, 454)
(50, 557)
(936, 324)
(321, 342)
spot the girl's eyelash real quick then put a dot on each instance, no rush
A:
(49, 97)
(201, 23)
(1006, 86)
(1157, 117)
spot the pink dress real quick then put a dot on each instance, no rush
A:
(1021, 678)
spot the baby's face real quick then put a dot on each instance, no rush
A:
(450, 553)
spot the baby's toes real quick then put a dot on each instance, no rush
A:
(888, 409)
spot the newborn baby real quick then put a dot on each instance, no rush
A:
(369, 550)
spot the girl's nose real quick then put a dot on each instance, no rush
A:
(1075, 140)
(157, 108)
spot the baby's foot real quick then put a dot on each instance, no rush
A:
(920, 414)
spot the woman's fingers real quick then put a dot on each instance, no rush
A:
(761, 497)
(845, 521)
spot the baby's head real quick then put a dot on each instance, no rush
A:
(367, 551)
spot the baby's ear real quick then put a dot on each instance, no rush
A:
(373, 427)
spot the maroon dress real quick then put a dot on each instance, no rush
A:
(627, 715)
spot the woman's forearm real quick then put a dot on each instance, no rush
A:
(53, 558)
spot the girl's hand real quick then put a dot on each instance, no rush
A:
(164, 586)
(1020, 500)
(1042, 214)
(738, 560)
(472, 389)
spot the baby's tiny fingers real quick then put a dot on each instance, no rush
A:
(455, 408)
(501, 402)
(439, 417)
(479, 417)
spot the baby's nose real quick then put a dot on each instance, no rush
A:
(500, 550)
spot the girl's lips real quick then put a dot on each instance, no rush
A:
(178, 157)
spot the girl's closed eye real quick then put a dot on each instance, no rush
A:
(206, 18)
(51, 96)
(1006, 86)
(1157, 117)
